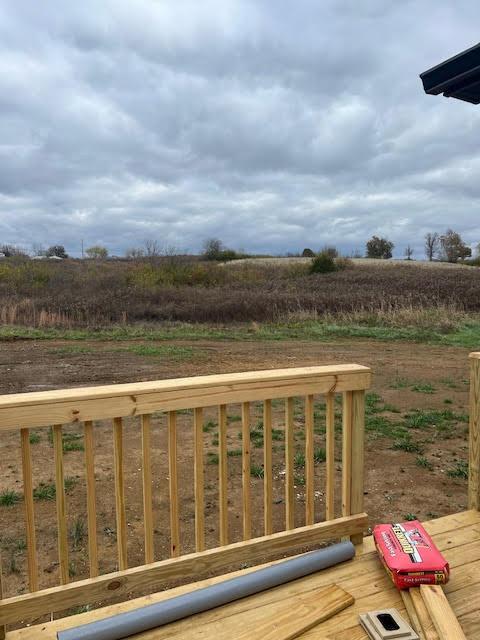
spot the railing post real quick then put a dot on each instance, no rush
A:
(357, 457)
(474, 437)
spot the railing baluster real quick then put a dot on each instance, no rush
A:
(173, 485)
(91, 498)
(223, 473)
(289, 465)
(246, 507)
(199, 480)
(330, 456)
(347, 453)
(120, 493)
(267, 466)
(147, 489)
(309, 463)
(29, 509)
(61, 504)
(3, 628)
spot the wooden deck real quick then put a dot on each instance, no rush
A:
(457, 536)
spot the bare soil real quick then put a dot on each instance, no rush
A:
(407, 377)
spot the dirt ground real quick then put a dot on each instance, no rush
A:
(419, 473)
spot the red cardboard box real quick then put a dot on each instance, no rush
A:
(409, 555)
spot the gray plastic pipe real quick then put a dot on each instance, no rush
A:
(129, 623)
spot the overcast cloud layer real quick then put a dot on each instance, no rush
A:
(273, 125)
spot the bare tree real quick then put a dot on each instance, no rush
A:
(134, 253)
(152, 248)
(432, 245)
(408, 252)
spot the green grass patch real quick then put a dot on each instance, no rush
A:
(424, 463)
(256, 471)
(465, 334)
(459, 470)
(72, 349)
(299, 459)
(233, 453)
(72, 442)
(212, 458)
(47, 491)
(408, 445)
(319, 455)
(423, 387)
(8, 498)
(34, 437)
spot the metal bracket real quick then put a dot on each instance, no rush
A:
(386, 624)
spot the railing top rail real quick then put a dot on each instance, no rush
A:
(41, 408)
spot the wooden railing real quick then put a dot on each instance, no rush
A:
(135, 408)
(474, 438)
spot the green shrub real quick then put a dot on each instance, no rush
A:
(323, 263)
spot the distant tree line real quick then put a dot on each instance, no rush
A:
(446, 247)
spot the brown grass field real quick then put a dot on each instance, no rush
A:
(76, 293)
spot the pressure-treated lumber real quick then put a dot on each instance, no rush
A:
(121, 583)
(347, 421)
(61, 503)
(289, 465)
(267, 468)
(474, 437)
(121, 518)
(3, 628)
(412, 614)
(222, 474)
(173, 485)
(29, 510)
(246, 506)
(37, 409)
(357, 463)
(309, 462)
(91, 500)
(455, 535)
(147, 488)
(426, 623)
(198, 472)
(300, 615)
(441, 613)
(330, 456)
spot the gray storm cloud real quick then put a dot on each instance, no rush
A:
(273, 125)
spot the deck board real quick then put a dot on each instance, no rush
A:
(458, 537)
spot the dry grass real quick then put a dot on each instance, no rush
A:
(93, 294)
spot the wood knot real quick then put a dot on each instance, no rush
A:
(115, 584)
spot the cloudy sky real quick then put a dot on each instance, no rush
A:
(271, 124)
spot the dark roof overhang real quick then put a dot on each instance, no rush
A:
(457, 77)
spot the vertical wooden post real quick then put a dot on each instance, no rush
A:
(247, 515)
(357, 459)
(474, 437)
(347, 453)
(61, 503)
(29, 509)
(173, 485)
(330, 455)
(222, 473)
(120, 493)
(147, 489)
(289, 465)
(199, 480)
(91, 501)
(309, 462)
(267, 467)
(3, 628)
